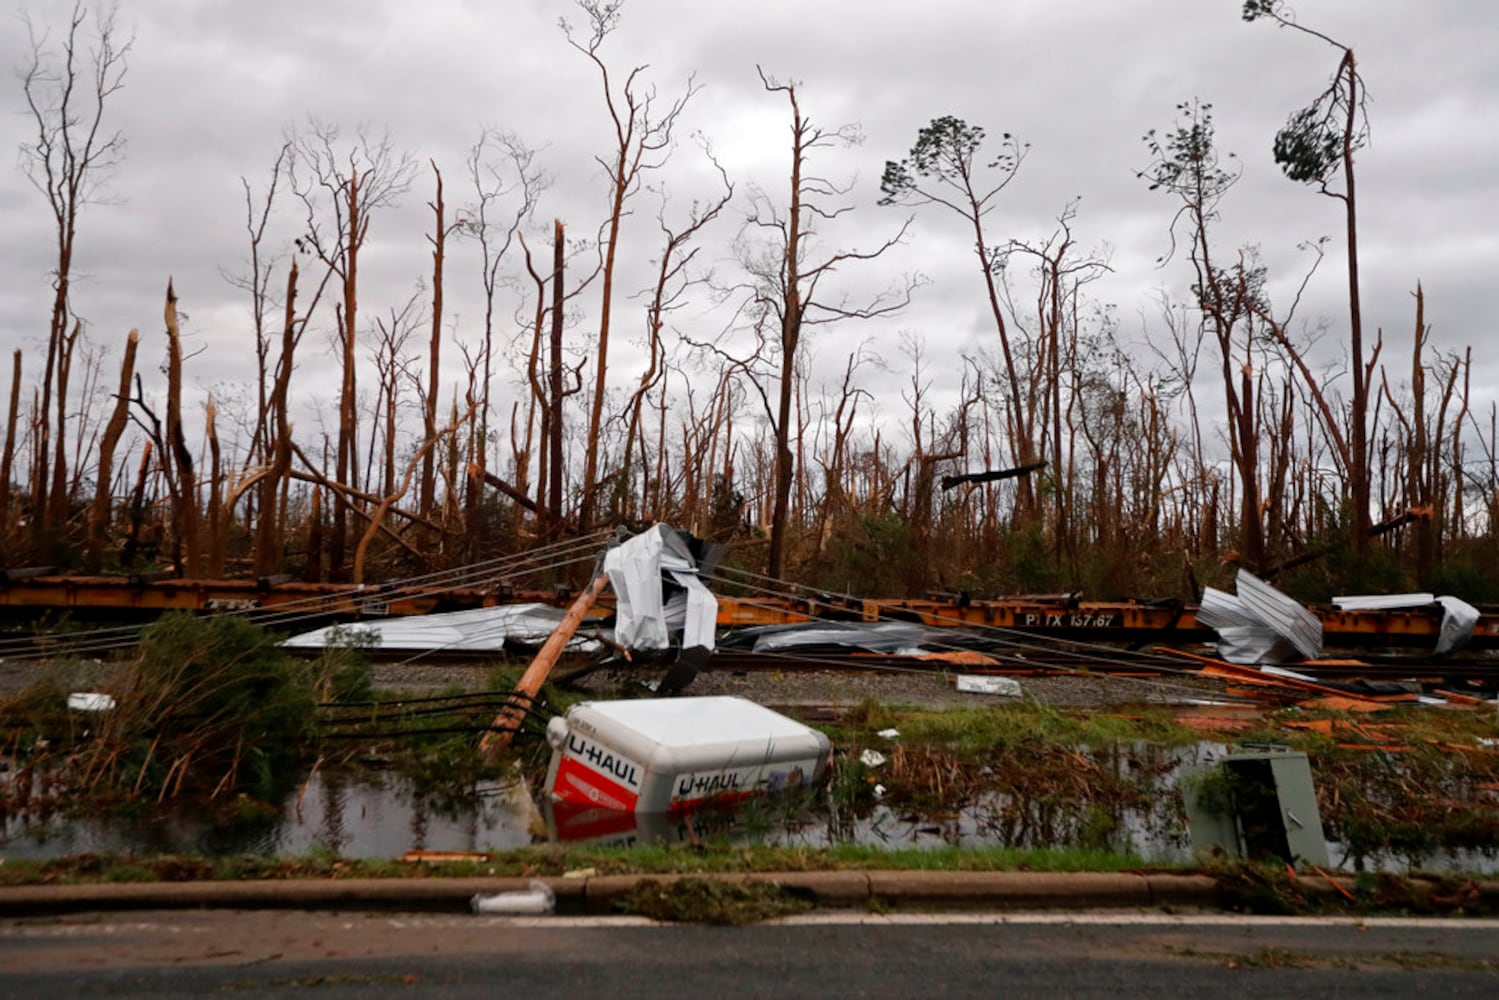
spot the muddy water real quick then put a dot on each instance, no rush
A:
(384, 816)
(356, 817)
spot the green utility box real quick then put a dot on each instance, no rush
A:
(1256, 806)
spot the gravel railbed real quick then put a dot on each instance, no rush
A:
(834, 687)
(768, 687)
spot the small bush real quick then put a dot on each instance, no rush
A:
(342, 671)
(206, 705)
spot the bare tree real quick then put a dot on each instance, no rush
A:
(7, 457)
(1051, 359)
(506, 189)
(394, 369)
(546, 372)
(68, 159)
(439, 239)
(555, 391)
(99, 514)
(786, 278)
(180, 457)
(366, 176)
(257, 282)
(642, 140)
(673, 278)
(269, 453)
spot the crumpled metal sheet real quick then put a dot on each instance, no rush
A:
(1259, 624)
(1251, 644)
(1458, 619)
(1458, 616)
(637, 568)
(1287, 617)
(1381, 602)
(872, 637)
(1220, 609)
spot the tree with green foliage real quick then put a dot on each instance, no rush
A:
(1316, 147)
(1185, 162)
(946, 166)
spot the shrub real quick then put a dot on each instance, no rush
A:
(342, 671)
(206, 705)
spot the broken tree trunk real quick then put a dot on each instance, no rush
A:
(185, 502)
(515, 710)
(519, 496)
(99, 519)
(9, 455)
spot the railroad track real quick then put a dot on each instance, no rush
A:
(1042, 662)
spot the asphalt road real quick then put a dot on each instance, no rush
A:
(277, 953)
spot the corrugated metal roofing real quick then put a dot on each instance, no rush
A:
(1286, 616)
(1381, 602)
(1220, 609)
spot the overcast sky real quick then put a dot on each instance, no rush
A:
(214, 86)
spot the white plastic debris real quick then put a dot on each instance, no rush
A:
(90, 701)
(535, 901)
(872, 758)
(1009, 687)
(889, 734)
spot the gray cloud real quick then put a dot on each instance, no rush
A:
(214, 88)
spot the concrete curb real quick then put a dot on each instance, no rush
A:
(599, 894)
(907, 890)
(1007, 890)
(411, 894)
(1189, 891)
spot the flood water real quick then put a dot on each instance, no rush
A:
(354, 816)
(367, 815)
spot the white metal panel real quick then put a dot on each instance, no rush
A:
(636, 567)
(475, 629)
(1458, 620)
(1288, 618)
(1220, 609)
(1381, 602)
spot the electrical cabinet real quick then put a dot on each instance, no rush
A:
(1256, 806)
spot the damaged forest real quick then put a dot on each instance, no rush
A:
(1060, 455)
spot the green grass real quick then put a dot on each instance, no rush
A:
(982, 731)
